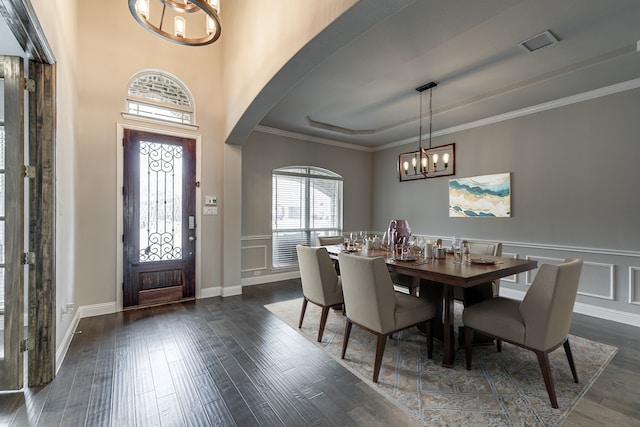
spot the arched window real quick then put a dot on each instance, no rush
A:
(306, 203)
(158, 95)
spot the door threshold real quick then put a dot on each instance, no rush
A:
(157, 304)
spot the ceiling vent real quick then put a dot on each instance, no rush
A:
(538, 41)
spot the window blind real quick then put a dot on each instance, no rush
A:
(307, 202)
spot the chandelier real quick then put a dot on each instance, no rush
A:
(426, 162)
(203, 19)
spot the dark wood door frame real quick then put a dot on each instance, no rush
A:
(158, 280)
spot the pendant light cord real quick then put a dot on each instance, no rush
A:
(420, 134)
(430, 113)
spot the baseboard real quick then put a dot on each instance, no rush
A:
(61, 352)
(97, 309)
(259, 280)
(630, 319)
(214, 291)
(230, 291)
(82, 312)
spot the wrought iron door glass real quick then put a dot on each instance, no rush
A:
(161, 202)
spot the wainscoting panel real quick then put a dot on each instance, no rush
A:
(597, 280)
(634, 285)
(254, 258)
(515, 278)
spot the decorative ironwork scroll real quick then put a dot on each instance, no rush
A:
(160, 202)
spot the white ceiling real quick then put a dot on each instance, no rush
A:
(365, 92)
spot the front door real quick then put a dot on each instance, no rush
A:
(159, 218)
(11, 221)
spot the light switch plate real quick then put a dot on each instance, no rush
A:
(210, 210)
(210, 200)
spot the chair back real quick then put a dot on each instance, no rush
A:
(329, 240)
(368, 292)
(485, 248)
(548, 305)
(320, 282)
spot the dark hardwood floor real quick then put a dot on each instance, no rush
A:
(231, 362)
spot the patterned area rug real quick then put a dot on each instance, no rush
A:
(501, 389)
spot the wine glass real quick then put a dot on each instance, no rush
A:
(383, 241)
(418, 247)
(352, 239)
(457, 250)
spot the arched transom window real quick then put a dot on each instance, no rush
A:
(158, 95)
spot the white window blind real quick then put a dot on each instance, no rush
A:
(307, 202)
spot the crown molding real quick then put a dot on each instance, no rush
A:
(545, 106)
(309, 138)
(560, 102)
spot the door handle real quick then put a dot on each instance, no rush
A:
(192, 238)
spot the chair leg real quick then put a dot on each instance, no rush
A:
(347, 332)
(323, 321)
(304, 308)
(543, 361)
(567, 350)
(429, 330)
(499, 345)
(382, 341)
(468, 345)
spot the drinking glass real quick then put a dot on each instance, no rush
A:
(384, 244)
(457, 250)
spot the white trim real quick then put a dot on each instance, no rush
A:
(214, 291)
(263, 237)
(612, 279)
(61, 351)
(309, 138)
(81, 313)
(264, 267)
(545, 106)
(514, 278)
(98, 309)
(120, 208)
(230, 291)
(632, 275)
(150, 120)
(582, 249)
(561, 102)
(259, 280)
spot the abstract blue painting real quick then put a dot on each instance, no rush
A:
(480, 196)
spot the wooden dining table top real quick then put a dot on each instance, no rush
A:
(445, 271)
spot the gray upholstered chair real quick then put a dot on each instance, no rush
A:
(477, 247)
(321, 285)
(539, 323)
(329, 240)
(374, 306)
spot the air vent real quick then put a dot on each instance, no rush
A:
(538, 41)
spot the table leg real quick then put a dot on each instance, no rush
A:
(449, 338)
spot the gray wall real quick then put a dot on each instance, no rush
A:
(574, 192)
(264, 152)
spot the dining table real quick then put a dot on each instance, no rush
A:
(445, 272)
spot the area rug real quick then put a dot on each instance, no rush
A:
(501, 389)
